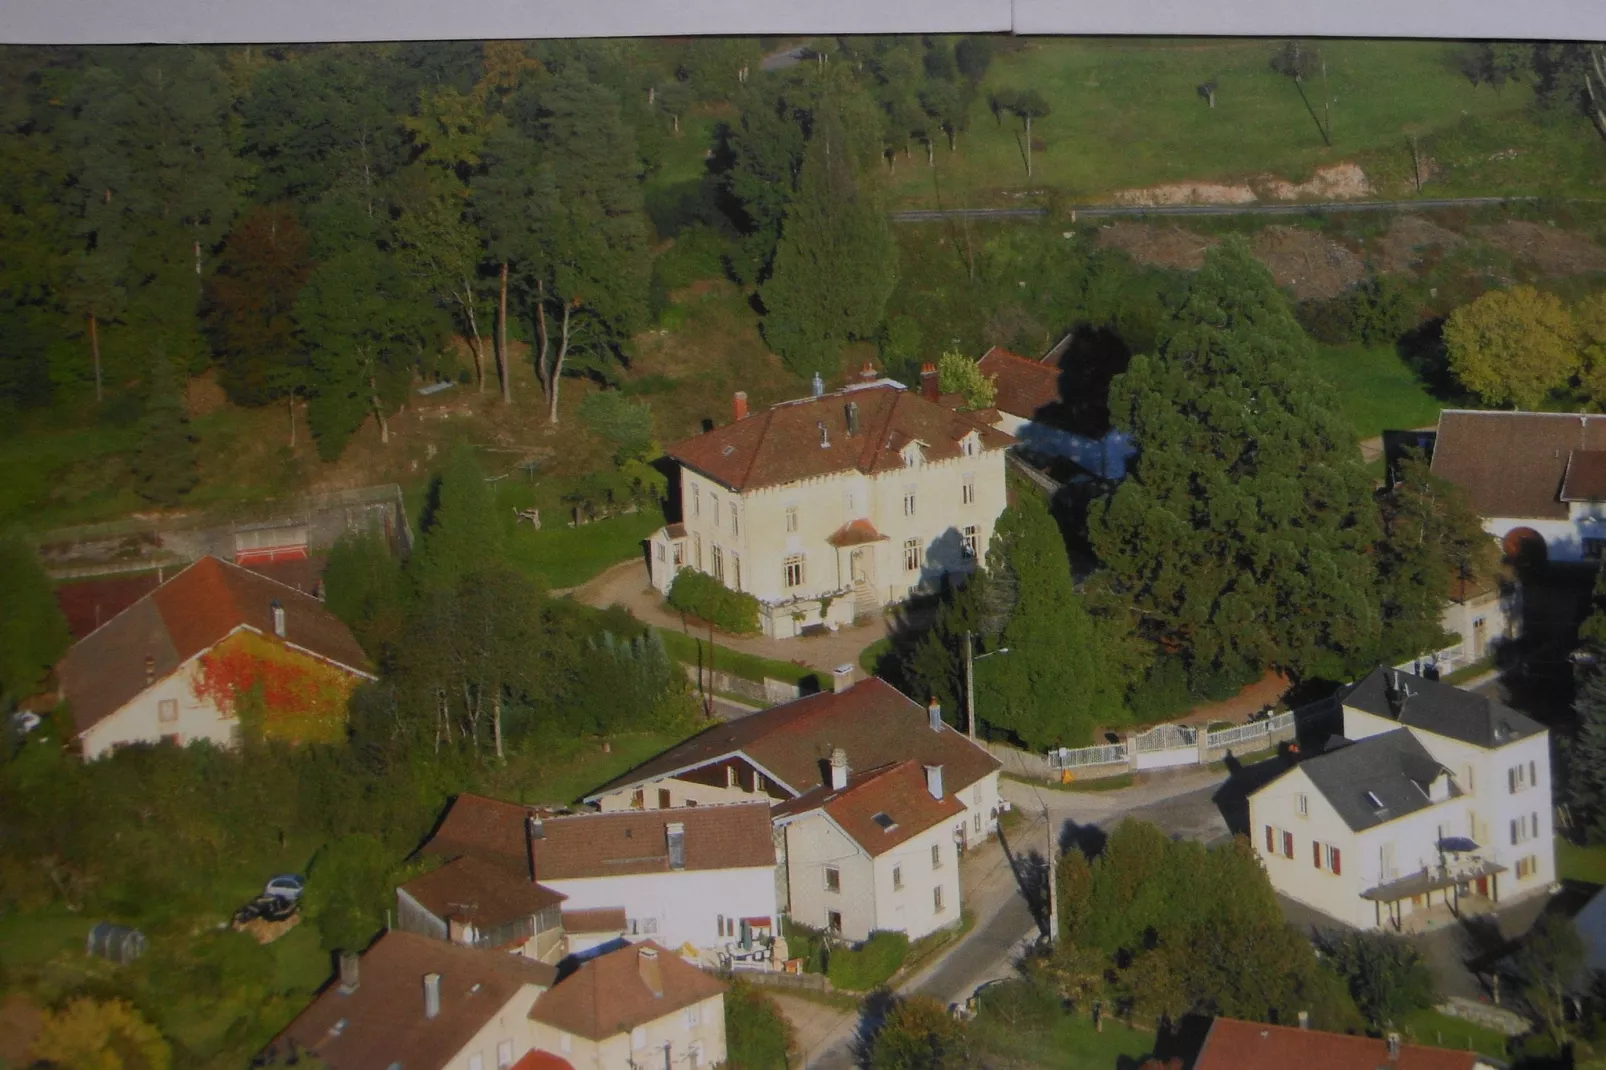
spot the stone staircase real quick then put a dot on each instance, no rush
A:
(865, 601)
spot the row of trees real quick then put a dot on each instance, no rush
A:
(1246, 536)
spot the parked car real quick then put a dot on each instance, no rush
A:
(286, 886)
(268, 908)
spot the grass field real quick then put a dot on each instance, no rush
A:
(1126, 113)
(1376, 390)
(1575, 862)
(1056, 1041)
(1441, 1031)
(567, 557)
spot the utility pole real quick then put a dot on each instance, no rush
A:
(970, 687)
(1053, 882)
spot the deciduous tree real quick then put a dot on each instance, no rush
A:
(918, 1033)
(958, 374)
(1512, 347)
(90, 1034)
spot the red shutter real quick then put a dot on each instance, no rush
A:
(1288, 845)
(1271, 842)
(1336, 869)
(1316, 854)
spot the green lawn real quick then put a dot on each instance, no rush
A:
(1376, 390)
(1126, 112)
(567, 557)
(1575, 862)
(1027, 1032)
(1437, 1030)
(689, 649)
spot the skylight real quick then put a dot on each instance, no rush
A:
(884, 819)
(1377, 804)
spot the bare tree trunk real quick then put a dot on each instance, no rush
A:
(501, 341)
(931, 153)
(292, 419)
(474, 331)
(496, 723)
(94, 350)
(1327, 102)
(1028, 146)
(557, 365)
(542, 340)
(379, 411)
(677, 123)
(1595, 111)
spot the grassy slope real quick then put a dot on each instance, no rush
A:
(1126, 113)
(1586, 865)
(1441, 1031)
(1377, 391)
(1070, 1044)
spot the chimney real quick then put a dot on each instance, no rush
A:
(839, 769)
(1394, 1047)
(934, 711)
(652, 974)
(739, 405)
(150, 670)
(278, 618)
(842, 676)
(676, 834)
(934, 781)
(1304, 1019)
(853, 417)
(867, 374)
(533, 830)
(432, 995)
(459, 931)
(930, 387)
(819, 385)
(825, 436)
(350, 972)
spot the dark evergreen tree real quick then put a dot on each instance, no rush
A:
(33, 632)
(1242, 532)
(836, 264)
(265, 262)
(1586, 757)
(462, 531)
(164, 464)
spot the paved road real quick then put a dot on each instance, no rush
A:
(1105, 211)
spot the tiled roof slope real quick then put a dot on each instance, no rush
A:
(1023, 386)
(382, 1023)
(481, 892)
(1511, 464)
(898, 790)
(873, 721)
(1235, 1045)
(783, 443)
(1585, 480)
(1443, 709)
(610, 994)
(1394, 768)
(188, 614)
(576, 846)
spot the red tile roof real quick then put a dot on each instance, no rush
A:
(542, 1060)
(595, 920)
(87, 604)
(577, 846)
(1512, 464)
(897, 791)
(382, 1023)
(872, 721)
(191, 613)
(783, 443)
(855, 533)
(481, 892)
(614, 993)
(1023, 385)
(1235, 1045)
(1585, 480)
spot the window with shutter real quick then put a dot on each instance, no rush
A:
(1514, 832)
(1533, 825)
(1316, 854)
(1511, 779)
(1271, 841)
(1288, 845)
(1533, 772)
(1333, 859)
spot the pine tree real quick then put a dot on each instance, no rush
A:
(1241, 534)
(1063, 675)
(462, 532)
(836, 264)
(165, 465)
(1586, 759)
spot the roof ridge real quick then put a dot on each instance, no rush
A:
(148, 595)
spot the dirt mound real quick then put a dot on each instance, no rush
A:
(1340, 182)
(1400, 249)
(1171, 247)
(203, 395)
(1552, 250)
(1307, 263)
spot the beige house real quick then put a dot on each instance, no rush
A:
(830, 507)
(142, 677)
(1436, 802)
(873, 851)
(638, 1006)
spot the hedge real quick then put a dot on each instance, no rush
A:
(703, 596)
(869, 966)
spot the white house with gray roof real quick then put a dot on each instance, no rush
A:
(1433, 803)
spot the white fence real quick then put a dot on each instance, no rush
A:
(1254, 731)
(1168, 745)
(1087, 757)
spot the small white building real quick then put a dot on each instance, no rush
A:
(1538, 479)
(830, 507)
(699, 879)
(873, 852)
(1434, 802)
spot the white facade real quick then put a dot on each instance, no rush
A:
(1512, 799)
(912, 888)
(929, 519)
(679, 909)
(168, 709)
(1578, 538)
(688, 1038)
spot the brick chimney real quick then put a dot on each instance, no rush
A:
(652, 972)
(350, 972)
(432, 995)
(739, 405)
(839, 769)
(930, 382)
(868, 374)
(534, 831)
(277, 609)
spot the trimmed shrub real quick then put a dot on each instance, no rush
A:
(703, 596)
(871, 964)
(757, 1035)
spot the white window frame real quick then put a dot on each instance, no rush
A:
(897, 878)
(912, 555)
(937, 906)
(936, 856)
(793, 571)
(967, 491)
(910, 500)
(717, 559)
(696, 501)
(833, 880)
(971, 545)
(736, 521)
(638, 1038)
(791, 519)
(1302, 804)
(504, 1054)
(167, 710)
(689, 1017)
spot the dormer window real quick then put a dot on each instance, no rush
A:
(970, 445)
(913, 455)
